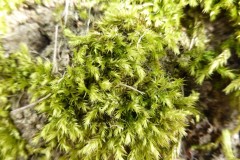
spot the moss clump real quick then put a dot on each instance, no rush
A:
(118, 98)
(115, 100)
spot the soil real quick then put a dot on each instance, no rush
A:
(218, 115)
(34, 25)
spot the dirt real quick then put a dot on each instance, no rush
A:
(217, 115)
(218, 111)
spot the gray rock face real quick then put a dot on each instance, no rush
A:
(32, 26)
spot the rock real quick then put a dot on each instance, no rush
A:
(18, 115)
(27, 113)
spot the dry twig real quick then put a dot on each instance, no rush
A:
(30, 105)
(130, 87)
(55, 64)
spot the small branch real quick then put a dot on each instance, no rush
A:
(61, 78)
(182, 88)
(130, 87)
(89, 20)
(191, 43)
(19, 99)
(55, 65)
(58, 50)
(139, 40)
(66, 10)
(30, 105)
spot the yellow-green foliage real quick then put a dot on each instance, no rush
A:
(115, 100)
(15, 72)
(118, 99)
(227, 145)
(201, 60)
(11, 143)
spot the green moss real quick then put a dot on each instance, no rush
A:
(115, 100)
(118, 99)
(12, 145)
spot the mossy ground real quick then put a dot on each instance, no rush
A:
(217, 111)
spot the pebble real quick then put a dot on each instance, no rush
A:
(39, 126)
(18, 115)
(33, 118)
(27, 113)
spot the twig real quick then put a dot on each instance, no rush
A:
(61, 78)
(192, 43)
(139, 40)
(66, 10)
(55, 65)
(30, 105)
(130, 87)
(182, 88)
(89, 20)
(19, 99)
(58, 50)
